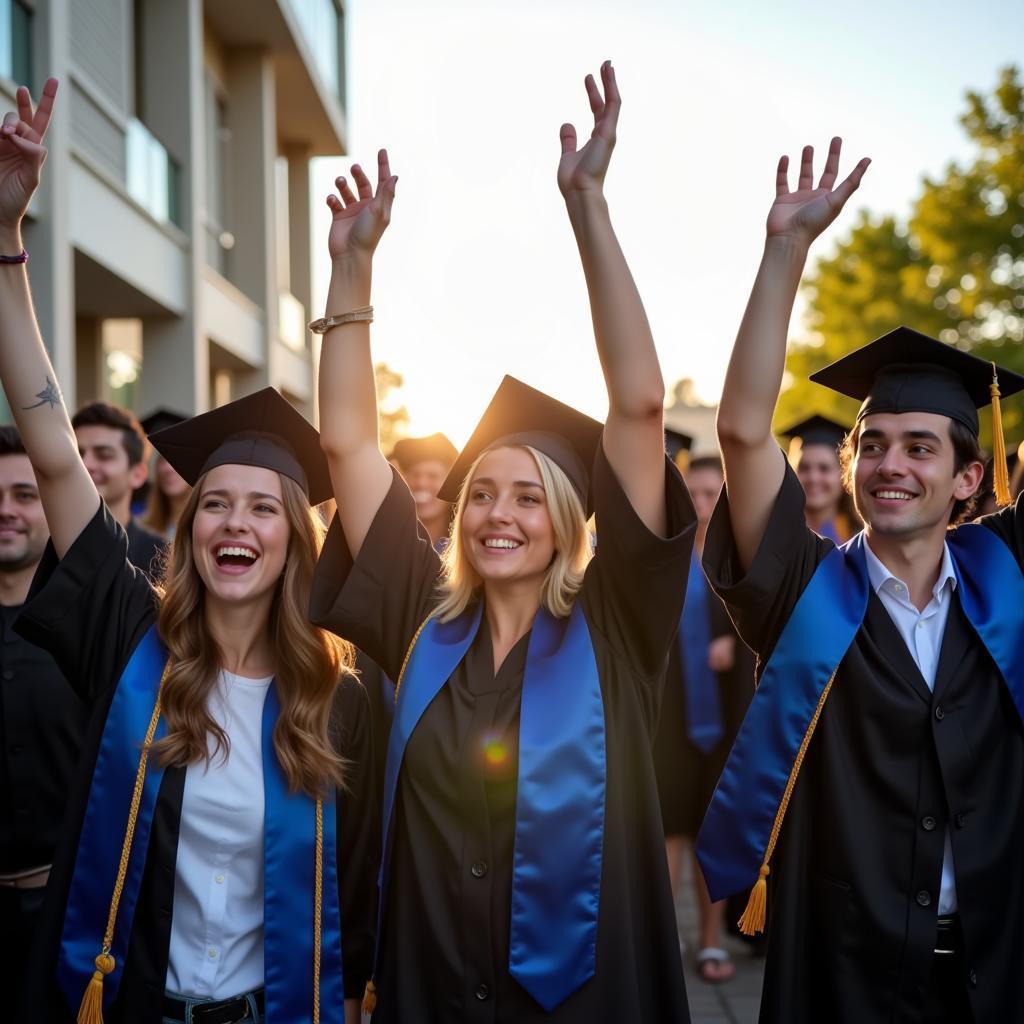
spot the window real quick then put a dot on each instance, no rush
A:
(319, 24)
(16, 41)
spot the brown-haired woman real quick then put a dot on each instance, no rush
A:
(524, 875)
(219, 854)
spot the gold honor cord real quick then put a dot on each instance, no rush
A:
(91, 1009)
(370, 992)
(755, 913)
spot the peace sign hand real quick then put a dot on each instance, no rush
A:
(359, 222)
(584, 170)
(805, 213)
(22, 153)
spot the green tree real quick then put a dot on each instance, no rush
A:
(954, 270)
(393, 418)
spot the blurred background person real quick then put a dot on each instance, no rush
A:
(41, 725)
(168, 490)
(424, 463)
(115, 450)
(814, 455)
(709, 684)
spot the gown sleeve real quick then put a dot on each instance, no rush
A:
(1008, 525)
(635, 584)
(761, 599)
(90, 608)
(378, 600)
(358, 829)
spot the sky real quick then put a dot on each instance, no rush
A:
(478, 274)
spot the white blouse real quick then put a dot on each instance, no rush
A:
(217, 923)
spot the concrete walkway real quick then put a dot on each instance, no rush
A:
(736, 1001)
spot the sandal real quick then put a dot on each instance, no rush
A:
(715, 966)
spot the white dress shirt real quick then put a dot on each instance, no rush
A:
(217, 920)
(922, 632)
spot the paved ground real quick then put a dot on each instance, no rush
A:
(736, 1001)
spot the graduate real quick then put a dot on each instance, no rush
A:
(875, 792)
(524, 874)
(219, 847)
(814, 455)
(168, 489)
(424, 463)
(707, 689)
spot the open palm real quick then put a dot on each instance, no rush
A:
(584, 169)
(22, 153)
(360, 221)
(805, 213)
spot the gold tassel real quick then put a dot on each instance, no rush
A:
(1000, 474)
(91, 1009)
(370, 997)
(752, 921)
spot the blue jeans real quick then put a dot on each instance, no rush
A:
(191, 1002)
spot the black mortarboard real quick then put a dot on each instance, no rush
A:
(434, 448)
(906, 371)
(262, 429)
(817, 429)
(675, 442)
(521, 415)
(161, 419)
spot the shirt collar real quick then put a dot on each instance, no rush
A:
(879, 575)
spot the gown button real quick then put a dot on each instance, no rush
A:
(482, 992)
(961, 820)
(479, 869)
(927, 823)
(924, 898)
(939, 713)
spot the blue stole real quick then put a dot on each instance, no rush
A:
(700, 681)
(289, 850)
(734, 837)
(829, 532)
(556, 866)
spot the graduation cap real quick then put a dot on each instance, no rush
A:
(161, 419)
(433, 448)
(521, 415)
(677, 446)
(816, 429)
(262, 429)
(906, 371)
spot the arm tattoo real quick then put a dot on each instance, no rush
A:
(50, 395)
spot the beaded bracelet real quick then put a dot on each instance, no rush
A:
(22, 257)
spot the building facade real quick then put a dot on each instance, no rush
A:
(170, 239)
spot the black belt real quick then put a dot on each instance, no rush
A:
(949, 938)
(223, 1011)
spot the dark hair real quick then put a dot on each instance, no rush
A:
(706, 462)
(10, 440)
(104, 414)
(966, 450)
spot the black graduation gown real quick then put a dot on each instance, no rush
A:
(854, 884)
(687, 775)
(90, 610)
(445, 934)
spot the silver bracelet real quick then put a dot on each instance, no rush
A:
(325, 323)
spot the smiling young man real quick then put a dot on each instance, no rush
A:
(875, 790)
(42, 724)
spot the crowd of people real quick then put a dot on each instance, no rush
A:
(442, 761)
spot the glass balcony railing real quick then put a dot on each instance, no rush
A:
(318, 22)
(153, 178)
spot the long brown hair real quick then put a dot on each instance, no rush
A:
(310, 661)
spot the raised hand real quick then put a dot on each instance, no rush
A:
(22, 152)
(583, 170)
(360, 221)
(805, 213)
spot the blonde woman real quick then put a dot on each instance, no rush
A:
(524, 876)
(219, 853)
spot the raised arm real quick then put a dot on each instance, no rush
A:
(360, 474)
(67, 492)
(634, 439)
(754, 465)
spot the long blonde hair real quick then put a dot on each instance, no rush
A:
(460, 582)
(310, 661)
